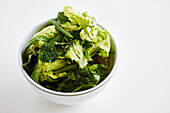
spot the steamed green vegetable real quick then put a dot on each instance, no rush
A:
(75, 53)
(70, 54)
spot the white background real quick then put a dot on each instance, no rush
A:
(141, 83)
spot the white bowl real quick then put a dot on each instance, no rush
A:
(62, 97)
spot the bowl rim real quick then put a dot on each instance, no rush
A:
(65, 93)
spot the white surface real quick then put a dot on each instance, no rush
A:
(141, 82)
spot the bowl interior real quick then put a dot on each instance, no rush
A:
(112, 63)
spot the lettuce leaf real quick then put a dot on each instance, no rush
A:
(104, 46)
(70, 27)
(57, 64)
(87, 20)
(45, 75)
(89, 34)
(77, 20)
(72, 15)
(49, 32)
(99, 37)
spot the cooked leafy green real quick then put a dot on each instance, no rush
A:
(47, 53)
(48, 32)
(57, 26)
(75, 53)
(77, 20)
(62, 17)
(70, 54)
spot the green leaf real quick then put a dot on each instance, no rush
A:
(76, 34)
(62, 17)
(67, 68)
(77, 89)
(57, 26)
(36, 72)
(83, 87)
(49, 32)
(70, 27)
(55, 65)
(100, 39)
(89, 34)
(77, 20)
(71, 75)
(54, 76)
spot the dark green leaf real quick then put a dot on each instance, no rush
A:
(71, 75)
(62, 17)
(76, 34)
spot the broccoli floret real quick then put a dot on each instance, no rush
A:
(75, 52)
(37, 41)
(47, 61)
(47, 52)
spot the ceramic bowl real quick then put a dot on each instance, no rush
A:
(62, 97)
